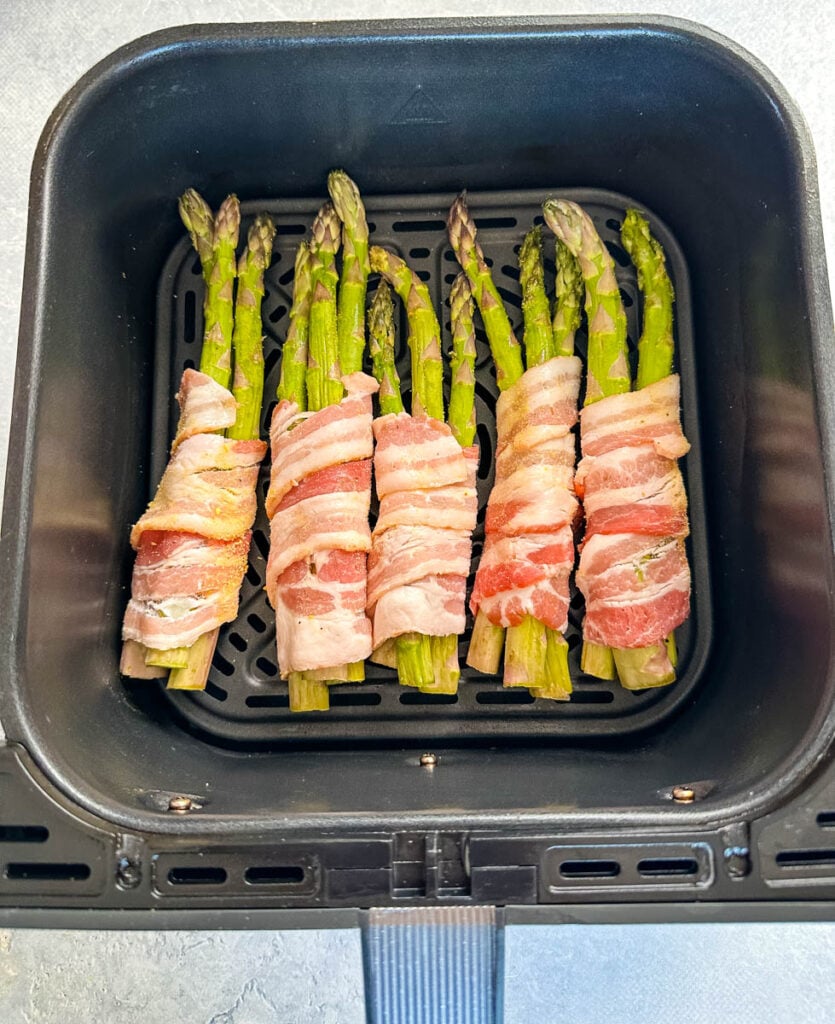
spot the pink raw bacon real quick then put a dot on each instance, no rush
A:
(192, 541)
(422, 541)
(529, 548)
(633, 566)
(318, 503)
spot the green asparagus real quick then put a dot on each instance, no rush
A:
(505, 349)
(656, 344)
(248, 388)
(487, 640)
(536, 310)
(655, 665)
(215, 239)
(381, 345)
(608, 356)
(608, 363)
(307, 691)
(292, 386)
(247, 337)
(355, 267)
(216, 357)
(424, 332)
(324, 386)
(462, 419)
(568, 308)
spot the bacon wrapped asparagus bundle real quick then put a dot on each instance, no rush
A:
(633, 567)
(320, 489)
(193, 540)
(522, 581)
(425, 477)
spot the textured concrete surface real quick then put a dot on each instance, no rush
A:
(261, 977)
(670, 974)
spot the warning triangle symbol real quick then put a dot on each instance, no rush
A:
(419, 109)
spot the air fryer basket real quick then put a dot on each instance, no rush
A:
(526, 802)
(244, 702)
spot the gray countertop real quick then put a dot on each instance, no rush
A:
(246, 978)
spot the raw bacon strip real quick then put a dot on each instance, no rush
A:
(205, 406)
(192, 541)
(422, 542)
(318, 503)
(208, 488)
(529, 549)
(648, 416)
(304, 443)
(637, 588)
(633, 566)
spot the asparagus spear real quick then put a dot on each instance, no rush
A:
(307, 691)
(324, 386)
(381, 345)
(655, 346)
(503, 344)
(414, 650)
(539, 334)
(569, 300)
(543, 652)
(248, 388)
(355, 267)
(292, 381)
(216, 357)
(215, 239)
(462, 363)
(247, 337)
(430, 663)
(608, 374)
(462, 423)
(608, 357)
(487, 640)
(654, 665)
(608, 366)
(424, 332)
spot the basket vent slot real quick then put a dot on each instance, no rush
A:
(661, 867)
(509, 696)
(428, 698)
(826, 819)
(354, 700)
(275, 874)
(589, 869)
(23, 834)
(43, 872)
(197, 876)
(805, 858)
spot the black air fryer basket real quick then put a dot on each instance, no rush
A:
(117, 794)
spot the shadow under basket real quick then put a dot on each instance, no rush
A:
(527, 801)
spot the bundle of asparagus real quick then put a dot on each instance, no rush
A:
(193, 540)
(322, 443)
(633, 568)
(522, 580)
(425, 473)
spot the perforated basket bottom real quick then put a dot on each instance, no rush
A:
(245, 702)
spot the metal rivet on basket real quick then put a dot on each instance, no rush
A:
(428, 760)
(179, 804)
(684, 794)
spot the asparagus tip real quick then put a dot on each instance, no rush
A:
(228, 221)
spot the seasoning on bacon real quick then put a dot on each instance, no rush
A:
(633, 566)
(193, 539)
